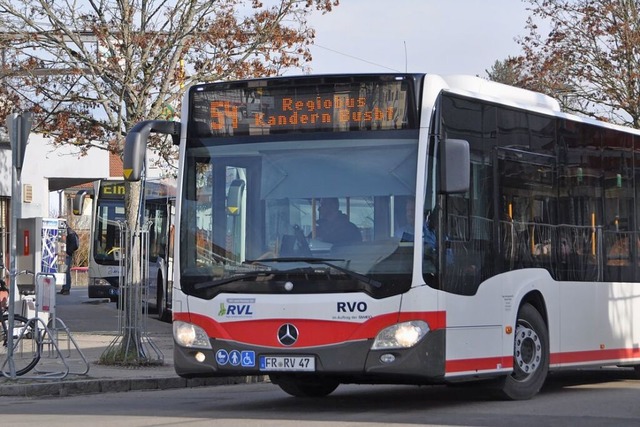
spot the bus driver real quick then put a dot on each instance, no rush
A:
(334, 226)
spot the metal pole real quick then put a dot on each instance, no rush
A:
(19, 126)
(15, 212)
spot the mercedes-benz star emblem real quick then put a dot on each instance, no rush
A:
(287, 334)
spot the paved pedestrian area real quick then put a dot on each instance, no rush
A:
(87, 375)
(70, 371)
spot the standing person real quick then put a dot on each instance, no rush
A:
(72, 243)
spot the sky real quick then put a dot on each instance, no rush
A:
(438, 36)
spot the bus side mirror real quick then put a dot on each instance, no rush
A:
(135, 148)
(135, 145)
(234, 197)
(455, 167)
(78, 202)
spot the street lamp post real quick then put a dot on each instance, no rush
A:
(18, 127)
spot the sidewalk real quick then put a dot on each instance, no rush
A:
(101, 378)
(46, 379)
(86, 375)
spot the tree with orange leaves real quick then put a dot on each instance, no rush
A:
(586, 54)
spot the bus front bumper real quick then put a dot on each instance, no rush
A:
(350, 362)
(101, 288)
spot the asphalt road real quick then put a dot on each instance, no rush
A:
(83, 314)
(586, 400)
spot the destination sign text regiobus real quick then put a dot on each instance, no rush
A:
(372, 105)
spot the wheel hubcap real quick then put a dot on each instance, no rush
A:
(528, 349)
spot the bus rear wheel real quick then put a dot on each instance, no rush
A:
(305, 387)
(530, 356)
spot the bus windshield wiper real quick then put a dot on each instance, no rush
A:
(329, 263)
(235, 277)
(246, 275)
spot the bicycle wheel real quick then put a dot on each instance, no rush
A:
(26, 351)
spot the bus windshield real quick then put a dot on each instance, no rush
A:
(106, 242)
(279, 206)
(110, 218)
(279, 174)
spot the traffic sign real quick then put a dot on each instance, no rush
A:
(19, 127)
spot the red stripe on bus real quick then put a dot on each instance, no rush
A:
(615, 354)
(567, 358)
(312, 332)
(478, 364)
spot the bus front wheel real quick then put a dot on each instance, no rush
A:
(530, 356)
(305, 387)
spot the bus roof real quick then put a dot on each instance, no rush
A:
(502, 92)
(499, 93)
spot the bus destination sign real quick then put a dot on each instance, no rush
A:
(112, 189)
(325, 110)
(301, 107)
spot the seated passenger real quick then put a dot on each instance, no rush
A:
(333, 226)
(618, 253)
(406, 232)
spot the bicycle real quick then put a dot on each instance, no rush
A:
(27, 338)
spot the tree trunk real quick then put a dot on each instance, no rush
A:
(131, 340)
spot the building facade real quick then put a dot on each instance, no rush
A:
(48, 173)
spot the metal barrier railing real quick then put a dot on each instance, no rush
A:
(133, 346)
(33, 336)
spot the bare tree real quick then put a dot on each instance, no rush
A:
(90, 69)
(590, 58)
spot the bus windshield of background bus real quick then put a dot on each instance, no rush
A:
(106, 239)
(271, 205)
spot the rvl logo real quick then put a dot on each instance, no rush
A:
(235, 310)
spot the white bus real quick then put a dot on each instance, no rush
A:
(532, 268)
(108, 216)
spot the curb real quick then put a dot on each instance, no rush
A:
(95, 386)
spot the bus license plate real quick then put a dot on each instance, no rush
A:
(288, 363)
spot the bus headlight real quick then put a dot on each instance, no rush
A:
(99, 281)
(189, 335)
(401, 335)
